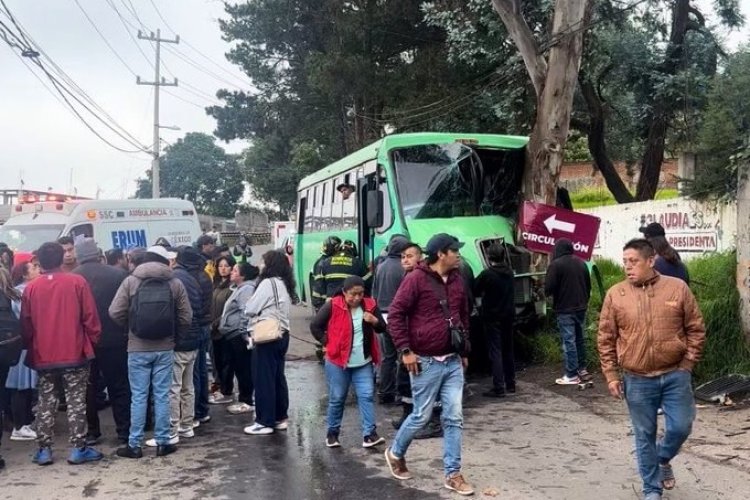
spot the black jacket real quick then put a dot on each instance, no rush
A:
(495, 286)
(104, 281)
(334, 270)
(388, 277)
(189, 340)
(568, 281)
(197, 271)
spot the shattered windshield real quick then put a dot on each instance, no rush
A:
(440, 181)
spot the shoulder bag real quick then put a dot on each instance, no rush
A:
(268, 329)
(456, 333)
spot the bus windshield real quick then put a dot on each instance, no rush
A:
(28, 238)
(454, 180)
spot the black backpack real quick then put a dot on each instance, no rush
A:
(152, 310)
(11, 343)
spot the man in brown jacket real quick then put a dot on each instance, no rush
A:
(652, 331)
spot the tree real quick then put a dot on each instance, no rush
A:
(554, 81)
(723, 139)
(197, 169)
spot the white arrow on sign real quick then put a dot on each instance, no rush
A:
(552, 223)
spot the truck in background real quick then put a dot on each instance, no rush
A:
(112, 223)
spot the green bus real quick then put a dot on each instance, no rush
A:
(418, 184)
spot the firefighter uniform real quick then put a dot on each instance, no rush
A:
(335, 269)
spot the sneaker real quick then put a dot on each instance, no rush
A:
(397, 466)
(457, 483)
(332, 440)
(82, 455)
(565, 380)
(25, 433)
(2, 463)
(185, 433)
(372, 440)
(258, 430)
(281, 425)
(510, 388)
(219, 399)
(43, 456)
(128, 452)
(202, 420)
(92, 439)
(151, 443)
(584, 374)
(166, 449)
(196, 424)
(238, 408)
(652, 496)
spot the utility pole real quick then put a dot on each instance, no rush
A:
(159, 81)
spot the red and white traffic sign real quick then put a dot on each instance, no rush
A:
(542, 225)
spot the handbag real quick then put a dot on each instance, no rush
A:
(11, 343)
(456, 333)
(268, 329)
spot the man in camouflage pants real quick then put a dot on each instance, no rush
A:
(60, 326)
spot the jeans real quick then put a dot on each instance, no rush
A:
(271, 389)
(149, 369)
(672, 392)
(437, 379)
(387, 366)
(339, 379)
(500, 342)
(574, 345)
(200, 375)
(182, 392)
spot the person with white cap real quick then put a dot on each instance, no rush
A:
(155, 307)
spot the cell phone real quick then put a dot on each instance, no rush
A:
(419, 367)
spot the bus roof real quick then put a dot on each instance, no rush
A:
(411, 139)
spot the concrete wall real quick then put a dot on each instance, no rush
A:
(692, 228)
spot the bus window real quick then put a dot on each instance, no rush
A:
(349, 209)
(301, 215)
(387, 209)
(325, 209)
(308, 212)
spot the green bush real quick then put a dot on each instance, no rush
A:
(713, 283)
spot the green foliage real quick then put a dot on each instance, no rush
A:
(197, 169)
(723, 139)
(577, 149)
(713, 283)
(599, 197)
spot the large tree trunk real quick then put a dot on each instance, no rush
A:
(661, 112)
(597, 144)
(554, 82)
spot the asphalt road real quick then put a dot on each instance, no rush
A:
(544, 443)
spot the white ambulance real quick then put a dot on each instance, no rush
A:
(112, 223)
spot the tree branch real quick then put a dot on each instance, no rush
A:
(523, 38)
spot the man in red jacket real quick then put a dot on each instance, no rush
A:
(430, 300)
(60, 328)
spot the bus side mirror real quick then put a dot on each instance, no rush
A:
(374, 208)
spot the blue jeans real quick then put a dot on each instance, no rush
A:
(437, 379)
(200, 375)
(672, 392)
(573, 343)
(339, 380)
(149, 369)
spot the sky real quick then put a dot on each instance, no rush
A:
(46, 146)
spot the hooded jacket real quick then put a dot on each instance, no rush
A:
(195, 264)
(567, 281)
(104, 281)
(650, 329)
(333, 327)
(221, 294)
(233, 319)
(59, 321)
(190, 339)
(496, 287)
(120, 307)
(415, 318)
(389, 274)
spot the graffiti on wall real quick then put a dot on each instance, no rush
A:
(693, 231)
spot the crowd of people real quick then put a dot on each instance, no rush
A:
(141, 323)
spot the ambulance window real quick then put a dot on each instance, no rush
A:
(85, 230)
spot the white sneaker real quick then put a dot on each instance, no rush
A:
(25, 433)
(258, 430)
(238, 408)
(185, 433)
(565, 380)
(218, 398)
(282, 425)
(151, 443)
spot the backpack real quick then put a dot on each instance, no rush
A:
(11, 343)
(152, 310)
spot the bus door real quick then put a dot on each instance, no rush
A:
(370, 200)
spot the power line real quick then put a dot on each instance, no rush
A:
(104, 38)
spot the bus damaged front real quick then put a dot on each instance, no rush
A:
(473, 193)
